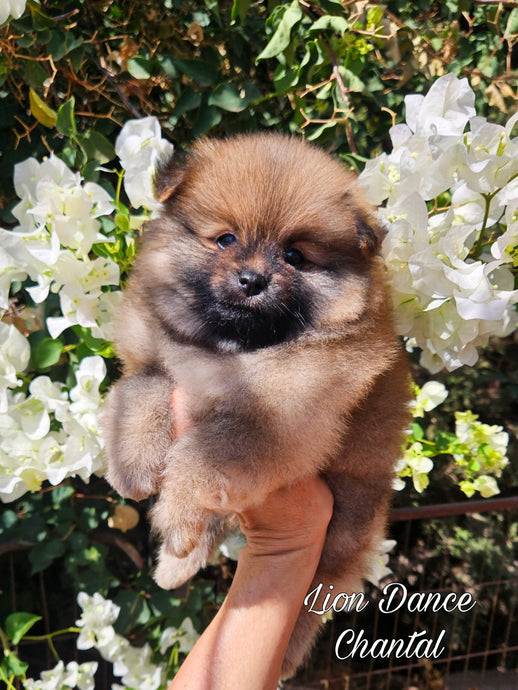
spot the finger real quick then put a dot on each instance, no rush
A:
(180, 416)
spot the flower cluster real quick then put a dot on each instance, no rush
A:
(133, 665)
(448, 189)
(58, 217)
(47, 431)
(478, 449)
(75, 675)
(481, 452)
(32, 449)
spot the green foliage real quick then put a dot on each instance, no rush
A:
(72, 72)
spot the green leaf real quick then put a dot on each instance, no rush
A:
(351, 81)
(330, 23)
(331, 6)
(62, 493)
(12, 666)
(285, 77)
(18, 624)
(201, 72)
(96, 345)
(62, 43)
(122, 222)
(43, 555)
(228, 97)
(512, 22)
(282, 36)
(66, 121)
(46, 353)
(189, 100)
(41, 111)
(208, 117)
(33, 74)
(239, 10)
(40, 19)
(417, 431)
(374, 16)
(134, 610)
(139, 67)
(97, 147)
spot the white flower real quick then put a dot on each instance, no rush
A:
(56, 208)
(13, 8)
(132, 663)
(96, 620)
(140, 147)
(15, 353)
(444, 110)
(428, 397)
(486, 486)
(377, 567)
(137, 669)
(233, 545)
(75, 675)
(50, 680)
(447, 302)
(186, 637)
(85, 395)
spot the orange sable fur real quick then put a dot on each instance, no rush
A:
(259, 293)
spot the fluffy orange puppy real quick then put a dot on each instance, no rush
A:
(259, 294)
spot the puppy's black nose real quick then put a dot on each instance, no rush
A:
(252, 283)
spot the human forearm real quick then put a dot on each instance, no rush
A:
(244, 645)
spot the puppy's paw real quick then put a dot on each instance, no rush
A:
(171, 572)
(183, 539)
(179, 526)
(131, 482)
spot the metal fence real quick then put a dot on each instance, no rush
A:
(479, 643)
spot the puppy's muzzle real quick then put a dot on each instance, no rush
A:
(252, 283)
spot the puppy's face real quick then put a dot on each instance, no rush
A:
(261, 238)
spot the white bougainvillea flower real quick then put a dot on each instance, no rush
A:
(133, 664)
(85, 395)
(233, 544)
(140, 147)
(56, 207)
(444, 110)
(428, 397)
(377, 566)
(15, 353)
(9, 271)
(486, 486)
(11, 8)
(186, 637)
(447, 302)
(96, 620)
(137, 669)
(75, 675)
(80, 284)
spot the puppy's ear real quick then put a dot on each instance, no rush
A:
(370, 233)
(169, 176)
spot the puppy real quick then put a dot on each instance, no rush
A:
(258, 293)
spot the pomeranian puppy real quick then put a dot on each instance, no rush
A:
(259, 293)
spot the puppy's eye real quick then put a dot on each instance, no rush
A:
(294, 257)
(226, 240)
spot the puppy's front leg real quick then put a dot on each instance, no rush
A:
(137, 424)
